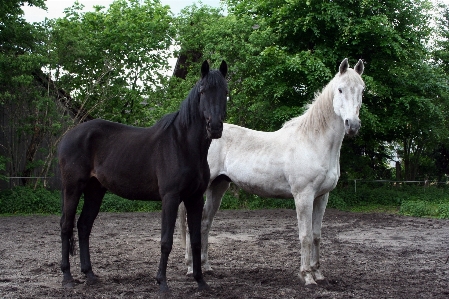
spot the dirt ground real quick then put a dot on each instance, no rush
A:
(255, 254)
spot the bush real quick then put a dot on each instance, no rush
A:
(26, 200)
(420, 208)
(416, 201)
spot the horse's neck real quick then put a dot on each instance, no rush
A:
(195, 136)
(334, 134)
(323, 129)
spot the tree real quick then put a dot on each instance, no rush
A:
(281, 52)
(112, 61)
(27, 110)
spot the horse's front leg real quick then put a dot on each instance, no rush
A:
(304, 209)
(319, 206)
(170, 203)
(194, 207)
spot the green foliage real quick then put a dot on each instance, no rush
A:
(236, 198)
(281, 52)
(415, 201)
(3, 161)
(408, 199)
(26, 200)
(114, 203)
(112, 61)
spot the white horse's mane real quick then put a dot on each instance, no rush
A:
(315, 118)
(320, 110)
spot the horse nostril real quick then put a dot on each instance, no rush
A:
(347, 122)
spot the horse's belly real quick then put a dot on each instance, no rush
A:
(131, 188)
(266, 188)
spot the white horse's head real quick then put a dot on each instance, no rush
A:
(347, 89)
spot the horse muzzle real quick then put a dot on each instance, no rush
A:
(352, 126)
(214, 129)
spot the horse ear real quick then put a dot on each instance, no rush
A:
(344, 66)
(204, 69)
(359, 67)
(223, 68)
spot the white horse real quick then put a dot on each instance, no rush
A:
(300, 160)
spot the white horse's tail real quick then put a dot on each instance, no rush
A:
(182, 216)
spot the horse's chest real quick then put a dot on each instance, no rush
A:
(330, 180)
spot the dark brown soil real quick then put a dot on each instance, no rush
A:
(255, 254)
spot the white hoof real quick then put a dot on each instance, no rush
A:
(307, 279)
(318, 275)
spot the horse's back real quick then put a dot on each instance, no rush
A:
(92, 136)
(107, 150)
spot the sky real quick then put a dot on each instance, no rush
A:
(55, 8)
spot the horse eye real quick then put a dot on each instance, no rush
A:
(341, 91)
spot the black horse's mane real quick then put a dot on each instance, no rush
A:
(188, 111)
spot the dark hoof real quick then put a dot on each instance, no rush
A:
(323, 282)
(203, 286)
(311, 286)
(164, 290)
(68, 284)
(163, 287)
(92, 279)
(165, 295)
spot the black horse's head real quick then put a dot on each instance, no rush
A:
(213, 97)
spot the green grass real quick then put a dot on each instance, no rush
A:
(25, 200)
(405, 200)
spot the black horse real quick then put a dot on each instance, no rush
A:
(166, 162)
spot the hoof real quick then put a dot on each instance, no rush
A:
(307, 280)
(68, 284)
(322, 282)
(164, 290)
(189, 273)
(166, 295)
(92, 279)
(311, 286)
(203, 286)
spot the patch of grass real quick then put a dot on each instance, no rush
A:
(406, 200)
(26, 200)
(375, 208)
(420, 208)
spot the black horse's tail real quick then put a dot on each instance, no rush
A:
(72, 247)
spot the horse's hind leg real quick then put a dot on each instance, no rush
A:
(71, 195)
(214, 195)
(319, 206)
(93, 196)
